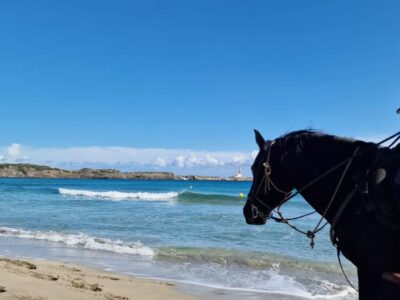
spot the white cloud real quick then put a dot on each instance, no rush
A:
(181, 161)
(160, 162)
(238, 159)
(14, 150)
(211, 160)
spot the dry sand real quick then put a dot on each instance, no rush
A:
(40, 280)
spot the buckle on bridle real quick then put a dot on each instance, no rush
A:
(267, 168)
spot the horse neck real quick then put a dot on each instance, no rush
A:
(319, 155)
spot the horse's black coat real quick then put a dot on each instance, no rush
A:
(297, 158)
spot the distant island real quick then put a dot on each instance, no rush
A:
(39, 171)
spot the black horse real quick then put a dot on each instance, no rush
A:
(357, 196)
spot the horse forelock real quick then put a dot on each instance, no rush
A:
(294, 141)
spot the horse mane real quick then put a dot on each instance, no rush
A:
(295, 140)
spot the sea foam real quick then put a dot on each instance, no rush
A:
(115, 195)
(80, 240)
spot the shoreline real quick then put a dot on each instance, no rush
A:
(40, 171)
(35, 279)
(134, 267)
(42, 279)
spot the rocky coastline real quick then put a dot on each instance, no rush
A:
(40, 171)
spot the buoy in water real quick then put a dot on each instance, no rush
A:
(241, 195)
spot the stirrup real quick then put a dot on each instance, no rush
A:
(392, 277)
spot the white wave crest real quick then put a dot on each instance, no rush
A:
(80, 240)
(115, 195)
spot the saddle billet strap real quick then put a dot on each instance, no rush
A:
(338, 214)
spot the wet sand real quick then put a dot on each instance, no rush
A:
(40, 280)
(30, 279)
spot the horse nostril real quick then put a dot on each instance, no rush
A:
(255, 212)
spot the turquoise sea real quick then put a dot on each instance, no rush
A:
(191, 232)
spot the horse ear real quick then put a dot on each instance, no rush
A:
(259, 139)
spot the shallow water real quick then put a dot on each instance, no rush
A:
(188, 231)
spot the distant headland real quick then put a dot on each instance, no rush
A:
(40, 171)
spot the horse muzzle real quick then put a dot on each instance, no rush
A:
(253, 215)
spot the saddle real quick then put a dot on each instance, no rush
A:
(380, 187)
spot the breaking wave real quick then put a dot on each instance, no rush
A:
(115, 195)
(260, 272)
(185, 196)
(247, 259)
(80, 240)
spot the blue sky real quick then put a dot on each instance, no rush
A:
(190, 79)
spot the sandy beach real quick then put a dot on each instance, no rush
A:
(40, 280)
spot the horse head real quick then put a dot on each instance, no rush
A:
(271, 185)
